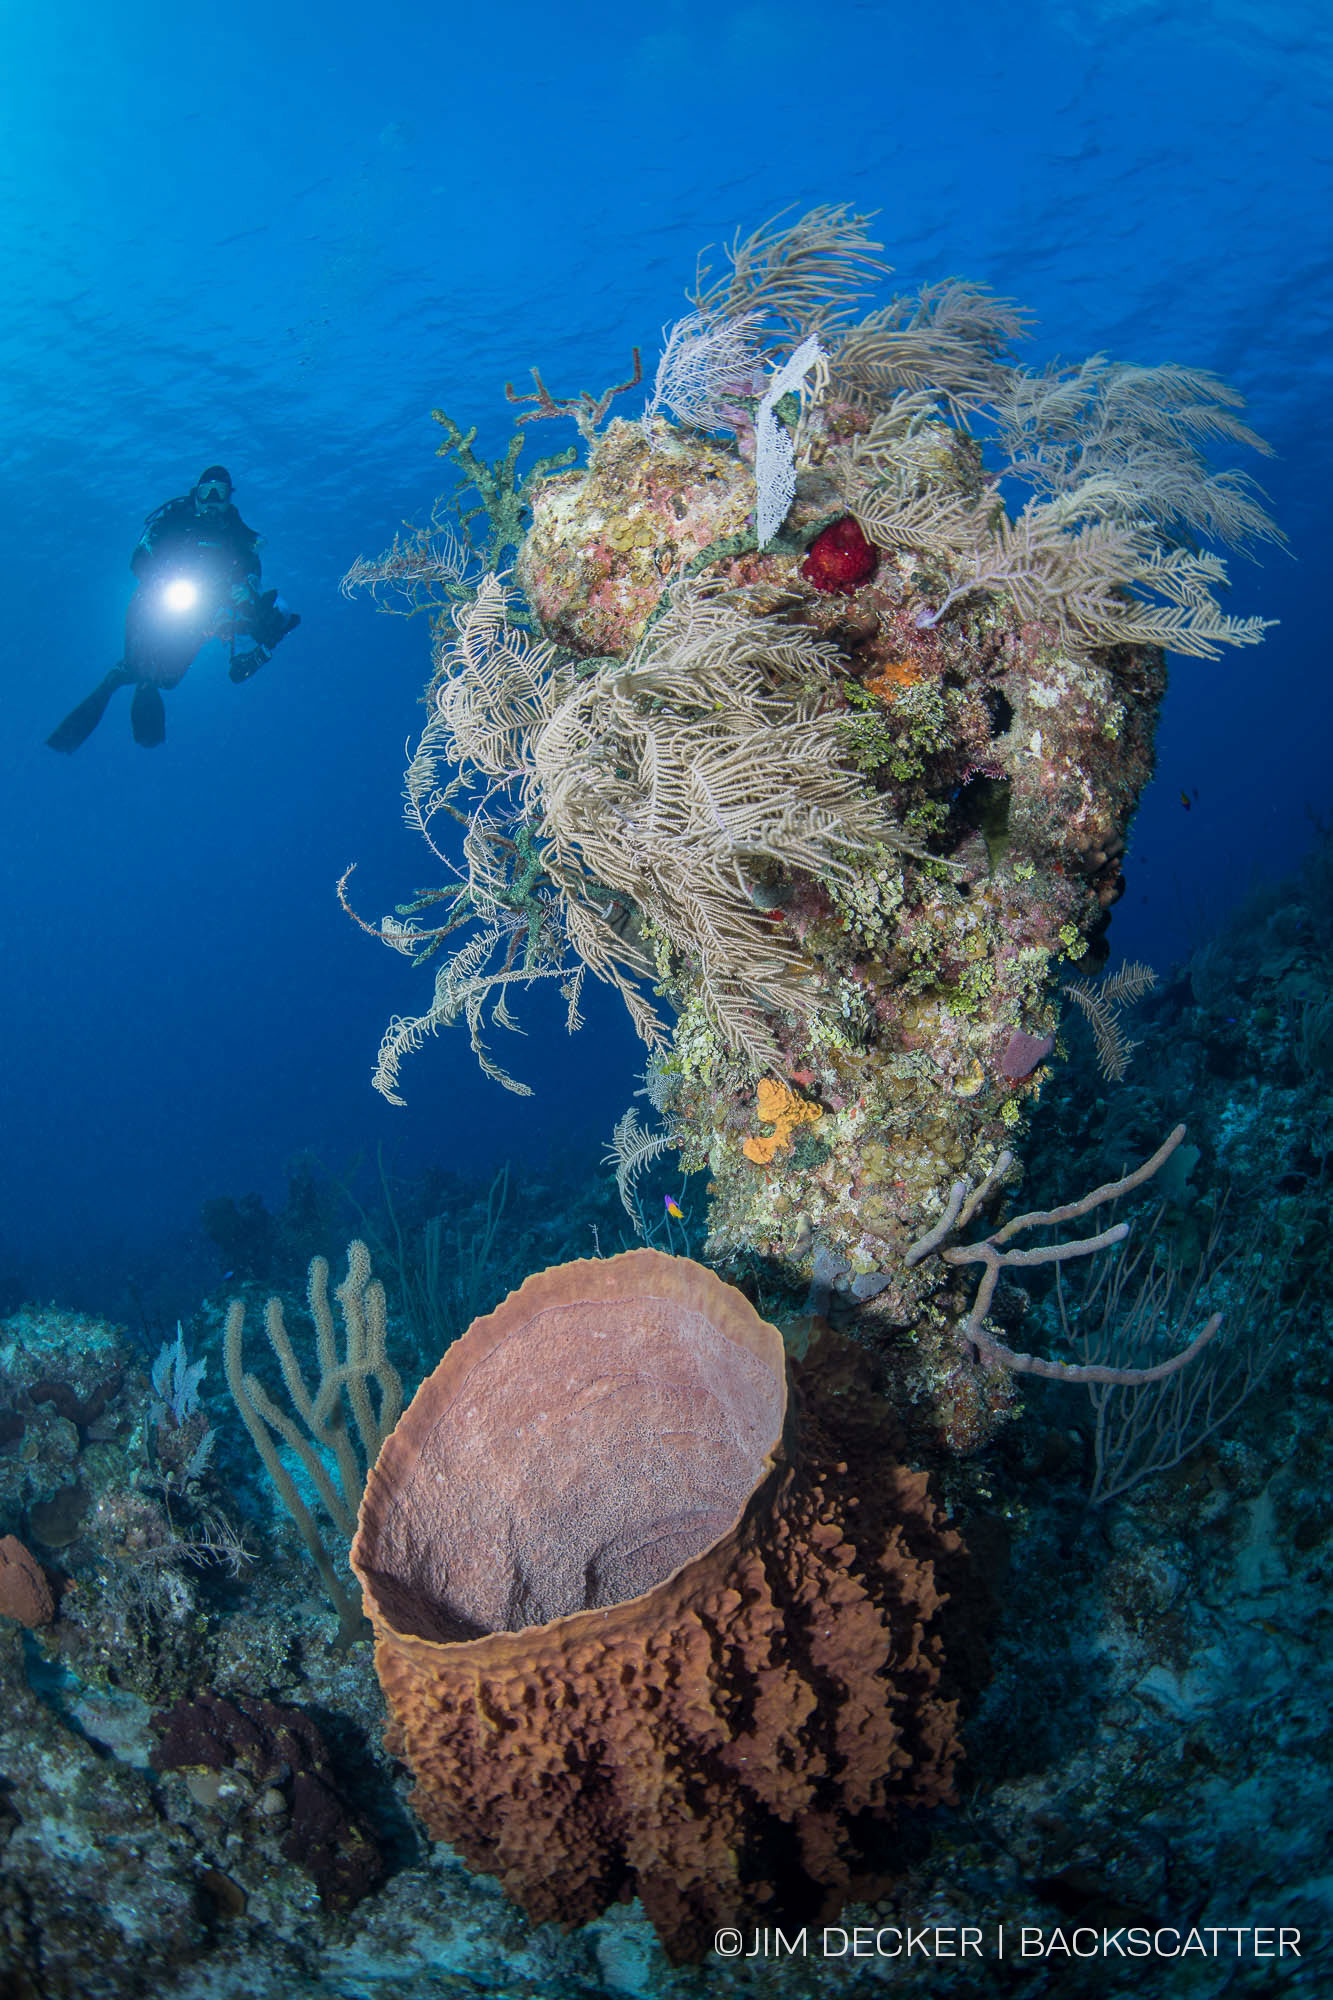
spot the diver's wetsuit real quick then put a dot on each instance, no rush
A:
(216, 552)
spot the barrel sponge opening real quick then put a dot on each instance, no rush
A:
(600, 1429)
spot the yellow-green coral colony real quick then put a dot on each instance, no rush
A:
(840, 804)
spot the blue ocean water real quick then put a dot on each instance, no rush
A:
(277, 238)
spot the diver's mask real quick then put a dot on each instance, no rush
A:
(211, 495)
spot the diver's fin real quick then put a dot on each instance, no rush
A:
(148, 715)
(80, 723)
(247, 661)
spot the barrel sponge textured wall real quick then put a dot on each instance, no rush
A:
(646, 1624)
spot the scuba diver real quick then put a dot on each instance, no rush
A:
(197, 566)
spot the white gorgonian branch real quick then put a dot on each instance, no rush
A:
(705, 365)
(774, 455)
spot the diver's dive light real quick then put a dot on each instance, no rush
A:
(180, 594)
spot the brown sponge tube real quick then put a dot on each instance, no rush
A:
(637, 1632)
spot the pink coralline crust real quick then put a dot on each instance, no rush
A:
(605, 540)
(1022, 1053)
(1079, 750)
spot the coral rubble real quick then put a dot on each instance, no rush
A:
(286, 1759)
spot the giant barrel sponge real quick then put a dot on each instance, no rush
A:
(647, 1625)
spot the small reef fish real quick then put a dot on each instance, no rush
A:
(673, 1209)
